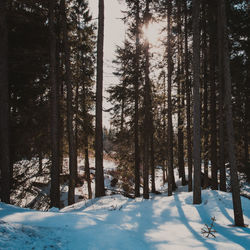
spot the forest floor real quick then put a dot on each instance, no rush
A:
(117, 222)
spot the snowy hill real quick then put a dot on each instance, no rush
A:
(116, 222)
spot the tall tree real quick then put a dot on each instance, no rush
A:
(205, 93)
(147, 126)
(212, 5)
(196, 97)
(55, 169)
(180, 96)
(99, 187)
(188, 98)
(136, 115)
(4, 107)
(70, 129)
(221, 105)
(171, 181)
(238, 214)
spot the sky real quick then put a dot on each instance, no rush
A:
(114, 33)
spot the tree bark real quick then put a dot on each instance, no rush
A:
(152, 156)
(212, 61)
(196, 96)
(87, 170)
(238, 215)
(188, 105)
(70, 129)
(180, 99)
(164, 175)
(99, 185)
(147, 121)
(55, 169)
(136, 136)
(221, 105)
(205, 95)
(171, 182)
(4, 107)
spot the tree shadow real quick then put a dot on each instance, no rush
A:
(189, 227)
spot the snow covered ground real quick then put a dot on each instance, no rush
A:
(116, 222)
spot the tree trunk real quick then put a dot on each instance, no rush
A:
(147, 115)
(221, 106)
(4, 107)
(212, 61)
(55, 169)
(164, 130)
(238, 215)
(196, 96)
(152, 157)
(99, 185)
(188, 106)
(205, 96)
(170, 126)
(136, 136)
(87, 170)
(247, 115)
(180, 100)
(70, 129)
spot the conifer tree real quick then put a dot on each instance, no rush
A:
(4, 107)
(196, 97)
(99, 186)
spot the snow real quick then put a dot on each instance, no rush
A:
(116, 222)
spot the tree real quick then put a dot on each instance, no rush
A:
(146, 125)
(205, 93)
(238, 215)
(4, 107)
(188, 105)
(180, 96)
(136, 115)
(212, 78)
(221, 105)
(55, 169)
(171, 182)
(70, 129)
(196, 97)
(99, 187)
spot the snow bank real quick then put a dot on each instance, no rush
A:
(116, 222)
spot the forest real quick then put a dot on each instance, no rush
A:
(175, 154)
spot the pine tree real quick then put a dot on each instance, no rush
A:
(196, 97)
(212, 78)
(99, 187)
(70, 129)
(4, 107)
(238, 215)
(136, 115)
(55, 191)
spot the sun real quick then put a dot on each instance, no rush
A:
(151, 32)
